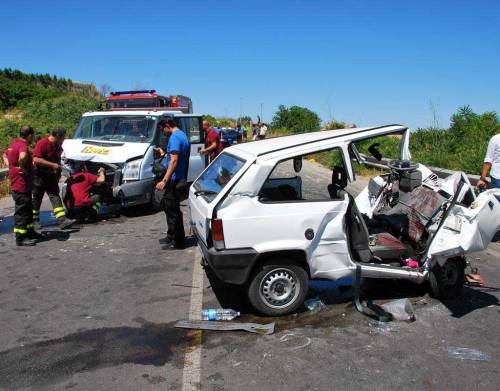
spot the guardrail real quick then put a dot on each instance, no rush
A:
(440, 172)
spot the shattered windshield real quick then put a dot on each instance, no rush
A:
(217, 175)
(128, 128)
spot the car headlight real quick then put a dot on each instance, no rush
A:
(131, 170)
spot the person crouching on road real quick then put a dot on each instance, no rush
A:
(177, 163)
(79, 199)
(19, 159)
(47, 159)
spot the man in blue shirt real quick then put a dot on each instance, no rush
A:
(177, 163)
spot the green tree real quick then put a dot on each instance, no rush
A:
(296, 119)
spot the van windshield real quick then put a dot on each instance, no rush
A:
(128, 128)
(217, 175)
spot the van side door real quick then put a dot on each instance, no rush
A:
(193, 127)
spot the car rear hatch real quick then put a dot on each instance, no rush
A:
(210, 188)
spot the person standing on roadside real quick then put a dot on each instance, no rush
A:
(491, 164)
(213, 144)
(262, 131)
(177, 161)
(47, 159)
(19, 159)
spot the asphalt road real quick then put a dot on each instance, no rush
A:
(94, 309)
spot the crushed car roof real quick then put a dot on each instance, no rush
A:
(276, 144)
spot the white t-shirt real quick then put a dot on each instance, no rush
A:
(263, 130)
(493, 156)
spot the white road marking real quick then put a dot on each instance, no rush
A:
(191, 374)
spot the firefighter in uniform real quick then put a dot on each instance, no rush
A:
(47, 159)
(81, 199)
(18, 157)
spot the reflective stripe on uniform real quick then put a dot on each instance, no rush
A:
(36, 212)
(29, 226)
(96, 206)
(58, 209)
(36, 215)
(20, 231)
(60, 214)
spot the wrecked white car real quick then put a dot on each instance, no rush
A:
(264, 223)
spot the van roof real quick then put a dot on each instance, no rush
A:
(282, 143)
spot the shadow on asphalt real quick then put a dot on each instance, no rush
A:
(48, 362)
(472, 298)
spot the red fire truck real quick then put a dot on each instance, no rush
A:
(126, 100)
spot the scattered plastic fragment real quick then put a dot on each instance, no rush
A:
(400, 309)
(384, 326)
(315, 305)
(226, 326)
(219, 314)
(474, 279)
(411, 263)
(468, 354)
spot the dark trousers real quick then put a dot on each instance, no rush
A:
(47, 183)
(23, 213)
(86, 211)
(172, 208)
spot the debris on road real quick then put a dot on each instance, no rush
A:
(474, 279)
(226, 326)
(219, 314)
(468, 354)
(315, 305)
(400, 309)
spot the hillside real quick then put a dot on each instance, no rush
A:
(42, 101)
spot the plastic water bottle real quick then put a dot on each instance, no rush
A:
(219, 314)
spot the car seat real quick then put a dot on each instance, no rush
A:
(371, 248)
(339, 182)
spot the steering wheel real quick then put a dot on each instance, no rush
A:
(402, 165)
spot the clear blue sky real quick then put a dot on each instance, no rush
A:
(367, 62)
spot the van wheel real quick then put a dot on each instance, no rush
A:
(278, 289)
(156, 199)
(447, 281)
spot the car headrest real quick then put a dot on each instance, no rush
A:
(339, 177)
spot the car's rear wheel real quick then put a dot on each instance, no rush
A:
(447, 281)
(278, 289)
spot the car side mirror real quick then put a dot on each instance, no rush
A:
(297, 164)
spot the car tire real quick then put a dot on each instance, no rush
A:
(447, 281)
(277, 288)
(157, 200)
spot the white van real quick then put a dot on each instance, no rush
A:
(124, 142)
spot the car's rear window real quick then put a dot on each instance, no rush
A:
(217, 175)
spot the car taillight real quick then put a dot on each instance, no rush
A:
(218, 234)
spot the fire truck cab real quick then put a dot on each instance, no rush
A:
(126, 100)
